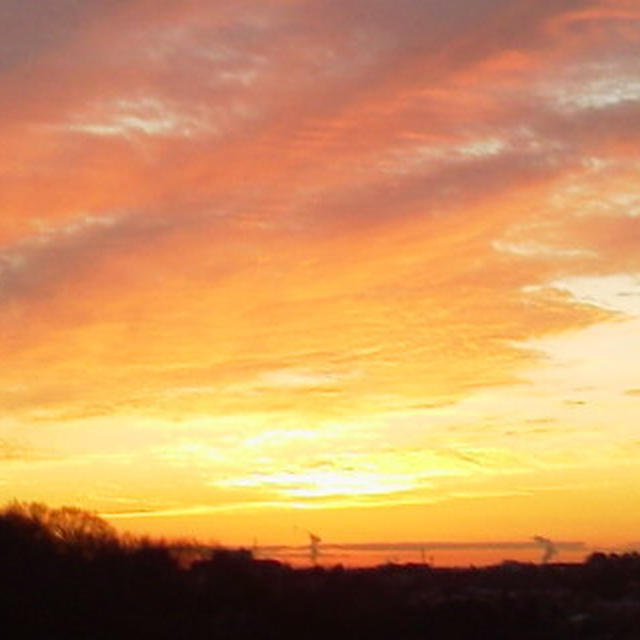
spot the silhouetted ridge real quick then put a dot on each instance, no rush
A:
(64, 573)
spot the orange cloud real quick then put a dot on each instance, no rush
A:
(334, 219)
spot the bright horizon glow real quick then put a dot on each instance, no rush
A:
(362, 268)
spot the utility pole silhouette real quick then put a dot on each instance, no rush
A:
(548, 547)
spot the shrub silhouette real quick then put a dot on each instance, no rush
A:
(65, 528)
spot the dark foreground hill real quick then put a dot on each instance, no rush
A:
(65, 574)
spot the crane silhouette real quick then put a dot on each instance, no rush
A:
(314, 545)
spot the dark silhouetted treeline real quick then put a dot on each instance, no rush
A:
(65, 573)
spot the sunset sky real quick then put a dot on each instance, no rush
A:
(368, 268)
